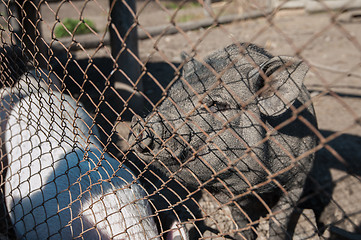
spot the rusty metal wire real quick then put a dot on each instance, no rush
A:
(154, 122)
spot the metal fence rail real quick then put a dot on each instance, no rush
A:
(180, 119)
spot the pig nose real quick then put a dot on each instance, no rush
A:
(144, 138)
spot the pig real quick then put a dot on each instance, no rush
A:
(241, 125)
(59, 182)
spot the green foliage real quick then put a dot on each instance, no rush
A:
(175, 5)
(171, 5)
(71, 24)
(185, 18)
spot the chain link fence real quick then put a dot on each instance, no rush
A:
(180, 119)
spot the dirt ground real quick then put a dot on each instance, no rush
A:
(329, 42)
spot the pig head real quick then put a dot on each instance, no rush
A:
(239, 124)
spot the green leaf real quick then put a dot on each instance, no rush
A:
(71, 24)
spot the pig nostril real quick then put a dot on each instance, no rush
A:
(139, 137)
(145, 141)
(143, 136)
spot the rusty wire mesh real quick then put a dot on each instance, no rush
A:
(164, 120)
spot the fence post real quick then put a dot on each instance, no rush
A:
(123, 40)
(28, 12)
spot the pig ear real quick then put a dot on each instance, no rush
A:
(280, 80)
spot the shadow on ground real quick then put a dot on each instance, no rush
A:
(343, 154)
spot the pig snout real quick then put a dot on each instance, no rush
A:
(141, 136)
(155, 136)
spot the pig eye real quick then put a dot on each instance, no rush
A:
(216, 106)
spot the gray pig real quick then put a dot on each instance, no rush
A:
(239, 125)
